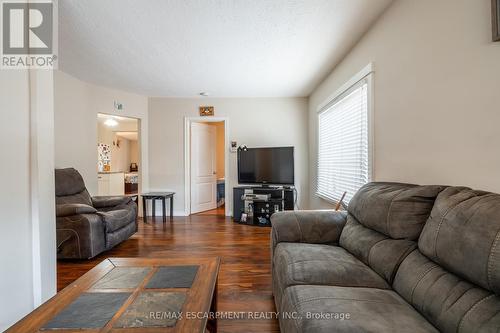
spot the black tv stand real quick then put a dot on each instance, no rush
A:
(253, 211)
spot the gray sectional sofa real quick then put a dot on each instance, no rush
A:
(85, 225)
(403, 258)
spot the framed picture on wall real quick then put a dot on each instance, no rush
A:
(495, 17)
(206, 110)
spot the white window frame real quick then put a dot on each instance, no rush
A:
(367, 74)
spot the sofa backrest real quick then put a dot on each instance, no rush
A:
(396, 210)
(453, 278)
(384, 221)
(70, 187)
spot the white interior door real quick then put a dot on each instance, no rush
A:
(203, 167)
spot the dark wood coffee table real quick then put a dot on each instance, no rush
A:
(135, 295)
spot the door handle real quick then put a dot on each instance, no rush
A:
(214, 173)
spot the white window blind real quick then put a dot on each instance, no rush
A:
(343, 164)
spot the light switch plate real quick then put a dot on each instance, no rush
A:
(234, 147)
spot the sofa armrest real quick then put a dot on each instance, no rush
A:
(110, 201)
(118, 218)
(63, 210)
(80, 236)
(314, 226)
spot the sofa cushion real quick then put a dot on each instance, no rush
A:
(463, 235)
(116, 219)
(350, 310)
(449, 302)
(79, 198)
(393, 209)
(317, 264)
(324, 265)
(381, 253)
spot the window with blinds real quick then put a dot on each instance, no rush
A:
(343, 157)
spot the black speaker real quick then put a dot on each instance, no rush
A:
(238, 204)
(288, 198)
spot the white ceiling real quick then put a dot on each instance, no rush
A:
(229, 48)
(124, 124)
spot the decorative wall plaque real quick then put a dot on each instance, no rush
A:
(206, 110)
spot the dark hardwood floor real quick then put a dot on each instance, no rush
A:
(244, 278)
(219, 211)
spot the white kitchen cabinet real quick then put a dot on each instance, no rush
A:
(111, 183)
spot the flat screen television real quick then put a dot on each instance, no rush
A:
(274, 166)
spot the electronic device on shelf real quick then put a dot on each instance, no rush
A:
(252, 196)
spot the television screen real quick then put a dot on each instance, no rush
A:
(266, 166)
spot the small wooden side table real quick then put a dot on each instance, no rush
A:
(153, 196)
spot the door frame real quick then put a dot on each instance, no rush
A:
(140, 171)
(187, 159)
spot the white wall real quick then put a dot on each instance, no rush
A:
(75, 128)
(120, 155)
(437, 75)
(43, 217)
(252, 121)
(27, 240)
(134, 151)
(76, 106)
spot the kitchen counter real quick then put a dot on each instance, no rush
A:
(111, 183)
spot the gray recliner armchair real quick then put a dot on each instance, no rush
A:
(85, 225)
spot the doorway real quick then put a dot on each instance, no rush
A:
(118, 155)
(206, 166)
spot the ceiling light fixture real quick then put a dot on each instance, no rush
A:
(110, 122)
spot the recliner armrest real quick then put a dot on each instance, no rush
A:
(314, 226)
(80, 236)
(63, 210)
(110, 201)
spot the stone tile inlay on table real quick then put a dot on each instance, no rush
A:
(173, 277)
(153, 309)
(89, 310)
(122, 277)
